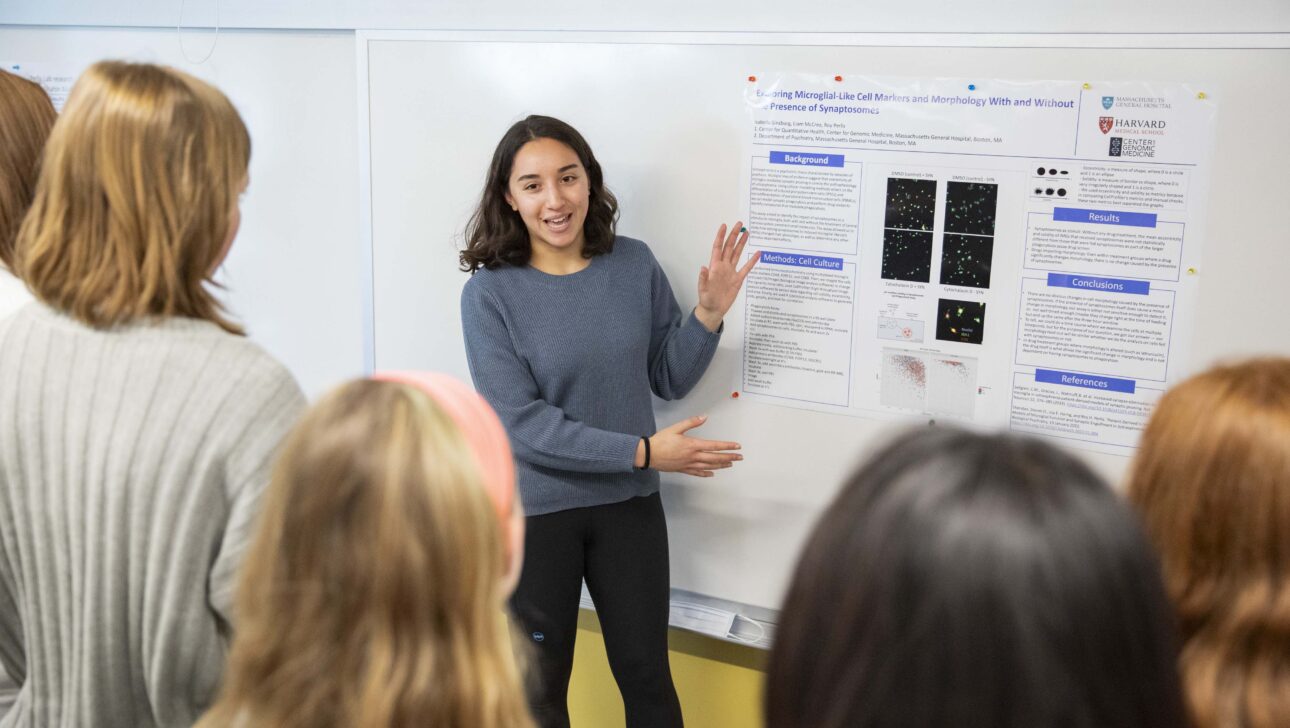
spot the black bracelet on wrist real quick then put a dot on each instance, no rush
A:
(646, 441)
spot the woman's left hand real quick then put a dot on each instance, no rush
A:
(720, 280)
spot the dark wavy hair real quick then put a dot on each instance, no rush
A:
(496, 235)
(976, 581)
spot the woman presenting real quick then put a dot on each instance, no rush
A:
(569, 328)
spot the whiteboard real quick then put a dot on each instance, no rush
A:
(665, 118)
(293, 275)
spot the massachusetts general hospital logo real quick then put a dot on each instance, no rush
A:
(1108, 102)
(1105, 123)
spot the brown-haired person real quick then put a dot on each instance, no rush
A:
(26, 116)
(137, 424)
(374, 592)
(570, 331)
(1212, 481)
(975, 581)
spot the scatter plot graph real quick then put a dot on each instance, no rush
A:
(911, 203)
(906, 255)
(969, 207)
(965, 260)
(962, 321)
(904, 380)
(929, 383)
(951, 386)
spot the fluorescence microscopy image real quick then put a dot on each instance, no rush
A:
(962, 321)
(969, 207)
(911, 203)
(906, 255)
(965, 260)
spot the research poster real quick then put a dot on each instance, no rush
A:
(1008, 254)
(56, 79)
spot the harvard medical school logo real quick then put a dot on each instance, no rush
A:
(1108, 102)
(1133, 127)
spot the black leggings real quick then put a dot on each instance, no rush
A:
(621, 550)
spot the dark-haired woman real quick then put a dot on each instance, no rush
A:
(569, 330)
(978, 582)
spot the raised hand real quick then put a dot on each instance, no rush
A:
(721, 279)
(673, 451)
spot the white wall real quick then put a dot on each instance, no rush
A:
(293, 276)
(918, 16)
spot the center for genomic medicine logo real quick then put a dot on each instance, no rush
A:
(1142, 148)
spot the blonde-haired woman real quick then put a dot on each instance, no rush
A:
(137, 426)
(26, 116)
(374, 592)
(1212, 481)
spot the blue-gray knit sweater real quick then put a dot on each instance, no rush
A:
(569, 363)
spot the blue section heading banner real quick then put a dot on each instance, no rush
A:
(1093, 283)
(806, 159)
(1087, 381)
(801, 261)
(1105, 217)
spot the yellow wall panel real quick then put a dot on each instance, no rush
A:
(719, 683)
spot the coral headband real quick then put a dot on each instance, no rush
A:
(478, 424)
